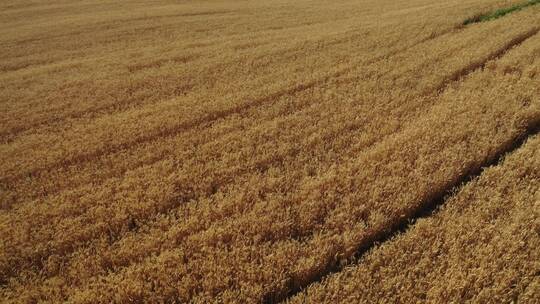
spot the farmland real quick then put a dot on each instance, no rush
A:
(489, 225)
(268, 151)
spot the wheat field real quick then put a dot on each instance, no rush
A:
(242, 151)
(483, 245)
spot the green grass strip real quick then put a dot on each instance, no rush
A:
(500, 12)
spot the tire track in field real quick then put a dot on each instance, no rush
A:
(189, 198)
(203, 123)
(119, 106)
(375, 236)
(227, 178)
(155, 136)
(176, 201)
(131, 166)
(175, 91)
(426, 209)
(274, 161)
(488, 153)
(12, 185)
(533, 125)
(307, 233)
(434, 200)
(115, 107)
(210, 117)
(479, 65)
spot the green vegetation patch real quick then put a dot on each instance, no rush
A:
(500, 12)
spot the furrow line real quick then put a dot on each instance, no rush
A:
(211, 117)
(180, 198)
(425, 209)
(221, 181)
(461, 74)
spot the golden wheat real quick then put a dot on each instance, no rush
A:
(235, 151)
(481, 247)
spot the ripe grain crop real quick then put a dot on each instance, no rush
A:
(236, 151)
(481, 246)
(501, 12)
